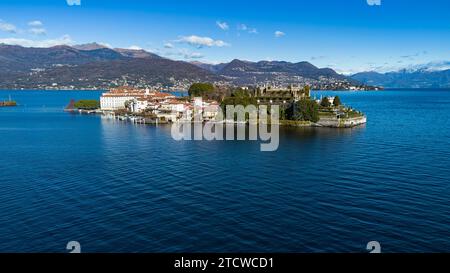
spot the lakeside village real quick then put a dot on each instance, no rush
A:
(145, 106)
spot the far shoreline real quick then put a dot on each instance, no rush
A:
(185, 91)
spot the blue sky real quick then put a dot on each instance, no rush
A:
(347, 35)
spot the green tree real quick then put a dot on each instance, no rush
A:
(337, 101)
(240, 93)
(307, 91)
(239, 97)
(325, 102)
(304, 110)
(283, 113)
(244, 101)
(87, 104)
(201, 90)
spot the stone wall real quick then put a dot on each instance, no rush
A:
(341, 123)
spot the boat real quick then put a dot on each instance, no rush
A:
(8, 103)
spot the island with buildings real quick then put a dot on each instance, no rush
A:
(149, 106)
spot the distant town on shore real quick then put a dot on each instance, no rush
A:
(96, 67)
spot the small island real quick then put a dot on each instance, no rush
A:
(83, 106)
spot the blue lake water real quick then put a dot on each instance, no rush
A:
(119, 187)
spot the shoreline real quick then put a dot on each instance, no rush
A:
(324, 122)
(181, 91)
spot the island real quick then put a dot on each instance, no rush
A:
(295, 105)
(83, 106)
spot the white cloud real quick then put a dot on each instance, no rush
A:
(37, 28)
(374, 2)
(135, 47)
(279, 34)
(64, 40)
(242, 27)
(168, 45)
(7, 27)
(222, 25)
(73, 2)
(35, 23)
(184, 54)
(321, 57)
(200, 42)
(245, 28)
(193, 55)
(38, 31)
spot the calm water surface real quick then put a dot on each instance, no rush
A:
(119, 187)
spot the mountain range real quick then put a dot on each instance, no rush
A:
(95, 66)
(245, 72)
(90, 66)
(419, 78)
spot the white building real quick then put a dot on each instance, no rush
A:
(173, 106)
(110, 102)
(210, 111)
(140, 99)
(165, 106)
(139, 105)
